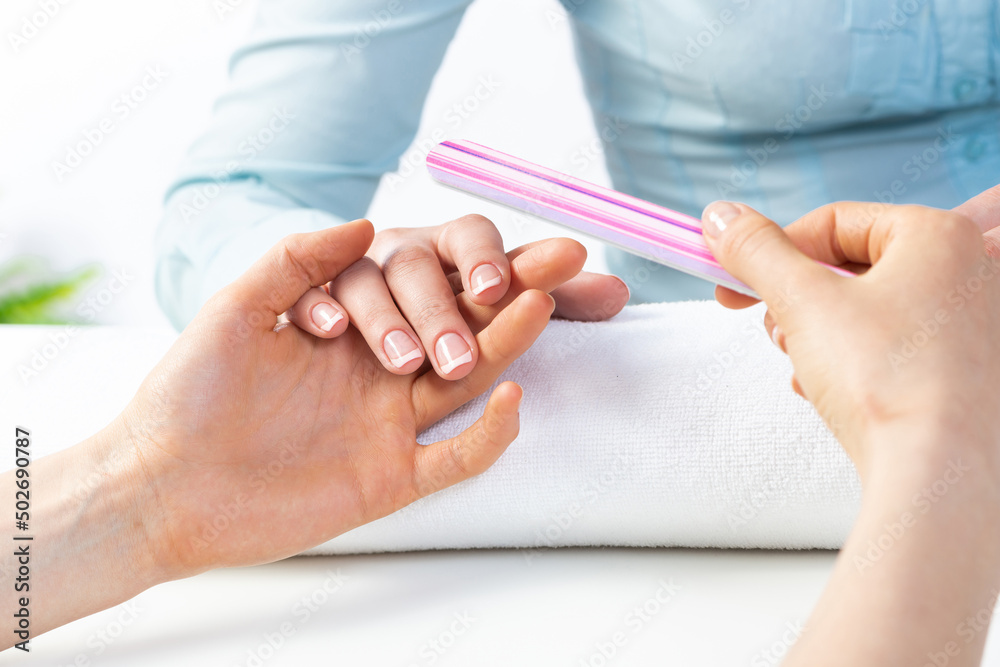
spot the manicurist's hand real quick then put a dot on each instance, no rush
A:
(902, 363)
(402, 295)
(984, 210)
(250, 442)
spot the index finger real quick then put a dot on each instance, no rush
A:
(473, 246)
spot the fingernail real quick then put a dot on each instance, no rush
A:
(776, 336)
(717, 217)
(484, 277)
(628, 292)
(452, 351)
(400, 348)
(325, 316)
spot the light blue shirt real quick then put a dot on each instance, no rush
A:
(783, 105)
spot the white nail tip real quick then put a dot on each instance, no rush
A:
(720, 224)
(402, 361)
(483, 286)
(455, 363)
(331, 322)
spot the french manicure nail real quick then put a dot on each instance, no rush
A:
(452, 351)
(325, 316)
(400, 347)
(776, 336)
(717, 217)
(484, 277)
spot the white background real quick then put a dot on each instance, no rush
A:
(65, 79)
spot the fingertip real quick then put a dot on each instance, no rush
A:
(318, 314)
(488, 282)
(623, 295)
(503, 418)
(403, 354)
(456, 355)
(510, 391)
(732, 299)
(577, 251)
(328, 319)
(365, 224)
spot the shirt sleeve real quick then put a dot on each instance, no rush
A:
(323, 100)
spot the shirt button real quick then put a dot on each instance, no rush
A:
(975, 148)
(964, 89)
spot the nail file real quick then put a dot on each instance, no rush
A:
(637, 226)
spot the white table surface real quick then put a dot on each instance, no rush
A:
(552, 607)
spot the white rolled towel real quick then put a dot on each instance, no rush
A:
(671, 425)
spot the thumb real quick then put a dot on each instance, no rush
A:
(296, 264)
(758, 252)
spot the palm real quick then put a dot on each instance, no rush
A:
(290, 427)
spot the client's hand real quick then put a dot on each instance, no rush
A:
(307, 437)
(250, 442)
(402, 296)
(902, 363)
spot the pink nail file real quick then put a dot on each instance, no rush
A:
(637, 226)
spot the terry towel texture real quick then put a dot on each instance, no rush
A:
(672, 425)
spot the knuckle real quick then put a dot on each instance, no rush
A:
(459, 229)
(392, 234)
(474, 219)
(747, 242)
(433, 313)
(357, 271)
(295, 258)
(406, 258)
(458, 459)
(370, 318)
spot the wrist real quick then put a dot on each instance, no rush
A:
(917, 443)
(934, 465)
(91, 510)
(134, 492)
